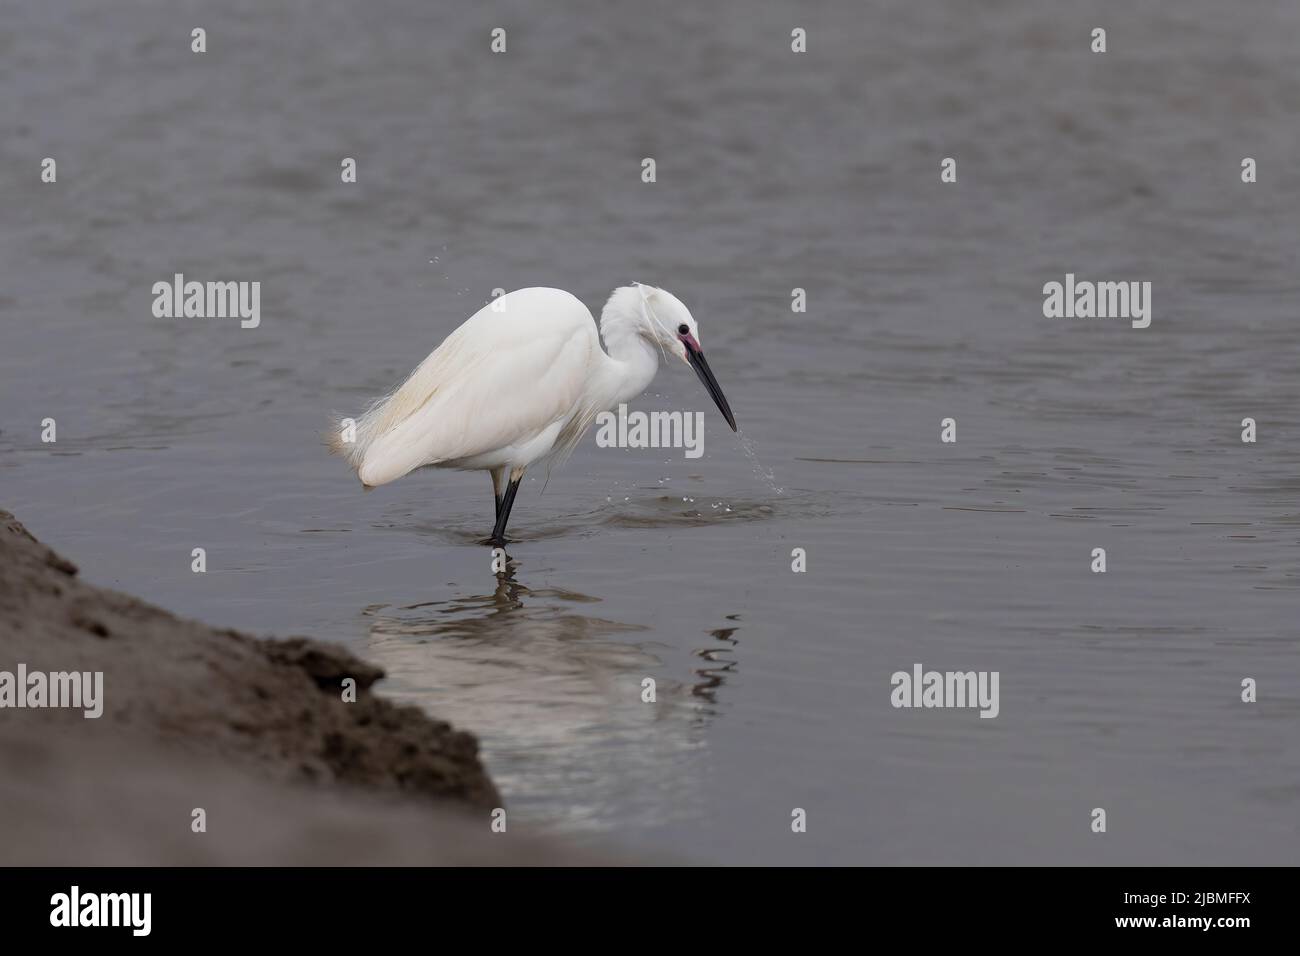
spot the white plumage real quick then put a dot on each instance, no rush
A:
(520, 381)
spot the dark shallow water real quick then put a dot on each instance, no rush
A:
(775, 171)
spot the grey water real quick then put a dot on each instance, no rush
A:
(775, 171)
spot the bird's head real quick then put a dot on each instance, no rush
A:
(670, 325)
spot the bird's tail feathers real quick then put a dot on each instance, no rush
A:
(355, 439)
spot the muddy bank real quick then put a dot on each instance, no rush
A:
(254, 732)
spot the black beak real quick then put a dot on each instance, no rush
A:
(696, 358)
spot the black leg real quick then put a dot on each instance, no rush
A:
(503, 512)
(498, 479)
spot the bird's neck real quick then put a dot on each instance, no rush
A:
(633, 363)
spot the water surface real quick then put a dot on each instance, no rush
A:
(775, 171)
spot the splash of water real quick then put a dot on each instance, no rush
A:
(763, 473)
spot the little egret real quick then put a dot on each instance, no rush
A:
(520, 381)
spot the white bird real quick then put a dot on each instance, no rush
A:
(520, 381)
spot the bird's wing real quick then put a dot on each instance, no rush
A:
(499, 379)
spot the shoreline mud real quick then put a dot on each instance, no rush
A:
(254, 732)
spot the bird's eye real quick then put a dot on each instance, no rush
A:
(683, 329)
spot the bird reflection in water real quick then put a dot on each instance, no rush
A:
(555, 695)
(711, 678)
